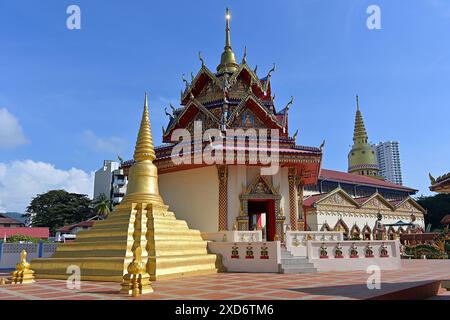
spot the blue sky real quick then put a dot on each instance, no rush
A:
(71, 98)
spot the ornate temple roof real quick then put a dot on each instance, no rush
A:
(440, 184)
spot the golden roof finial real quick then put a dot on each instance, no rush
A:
(227, 60)
(144, 149)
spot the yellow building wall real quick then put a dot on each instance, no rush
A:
(193, 195)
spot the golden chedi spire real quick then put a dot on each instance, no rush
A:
(141, 227)
(144, 149)
(143, 175)
(361, 158)
(227, 60)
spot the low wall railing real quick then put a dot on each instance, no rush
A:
(248, 256)
(354, 255)
(296, 241)
(10, 252)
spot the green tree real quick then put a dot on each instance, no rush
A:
(57, 208)
(437, 207)
(20, 237)
(102, 205)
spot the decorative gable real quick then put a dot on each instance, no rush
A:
(409, 205)
(338, 197)
(377, 202)
(261, 186)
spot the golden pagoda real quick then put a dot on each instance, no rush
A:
(169, 249)
(361, 158)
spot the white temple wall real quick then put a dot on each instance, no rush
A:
(193, 195)
(331, 218)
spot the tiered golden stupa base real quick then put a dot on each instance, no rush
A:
(103, 253)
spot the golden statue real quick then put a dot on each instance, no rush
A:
(23, 273)
(137, 280)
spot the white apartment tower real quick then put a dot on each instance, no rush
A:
(111, 181)
(388, 156)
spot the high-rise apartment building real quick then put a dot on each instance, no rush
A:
(388, 156)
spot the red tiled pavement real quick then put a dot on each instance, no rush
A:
(255, 286)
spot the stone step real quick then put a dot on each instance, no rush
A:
(298, 270)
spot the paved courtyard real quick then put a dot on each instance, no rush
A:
(254, 286)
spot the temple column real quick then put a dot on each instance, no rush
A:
(293, 212)
(222, 171)
(301, 215)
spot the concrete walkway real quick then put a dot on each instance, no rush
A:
(418, 274)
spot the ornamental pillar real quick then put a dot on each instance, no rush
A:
(301, 214)
(222, 171)
(293, 215)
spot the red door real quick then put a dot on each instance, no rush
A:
(271, 229)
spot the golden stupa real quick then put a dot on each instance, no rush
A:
(169, 248)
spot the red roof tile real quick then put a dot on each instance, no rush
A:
(361, 199)
(42, 233)
(333, 175)
(85, 224)
(313, 199)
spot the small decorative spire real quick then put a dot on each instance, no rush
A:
(256, 69)
(185, 81)
(357, 103)
(201, 59)
(144, 149)
(271, 71)
(295, 135)
(244, 58)
(432, 179)
(322, 145)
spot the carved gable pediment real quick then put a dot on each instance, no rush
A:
(409, 205)
(338, 197)
(377, 202)
(261, 186)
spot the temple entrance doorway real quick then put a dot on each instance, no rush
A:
(261, 214)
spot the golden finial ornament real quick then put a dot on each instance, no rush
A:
(227, 60)
(23, 273)
(235, 227)
(2, 281)
(201, 59)
(432, 179)
(244, 58)
(137, 280)
(276, 238)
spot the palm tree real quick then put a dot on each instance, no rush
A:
(102, 205)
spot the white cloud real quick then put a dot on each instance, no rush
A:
(11, 133)
(20, 181)
(106, 145)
